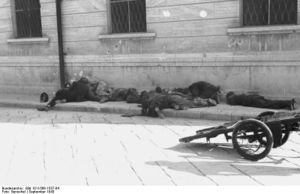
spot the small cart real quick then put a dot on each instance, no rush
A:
(254, 138)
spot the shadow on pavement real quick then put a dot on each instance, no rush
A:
(222, 159)
(226, 168)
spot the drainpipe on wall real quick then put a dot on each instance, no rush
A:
(60, 44)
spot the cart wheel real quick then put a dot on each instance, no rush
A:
(265, 114)
(285, 137)
(252, 139)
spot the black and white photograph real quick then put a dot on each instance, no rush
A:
(139, 93)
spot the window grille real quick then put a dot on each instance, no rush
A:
(269, 12)
(128, 16)
(28, 18)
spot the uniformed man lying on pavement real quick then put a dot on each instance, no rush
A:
(79, 91)
(254, 100)
(154, 102)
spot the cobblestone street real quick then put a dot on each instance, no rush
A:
(77, 148)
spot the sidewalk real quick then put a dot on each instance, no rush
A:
(219, 112)
(83, 148)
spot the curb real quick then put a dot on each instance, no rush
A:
(220, 112)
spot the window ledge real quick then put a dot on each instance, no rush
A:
(282, 29)
(28, 40)
(145, 35)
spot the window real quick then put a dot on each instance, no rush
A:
(128, 16)
(28, 18)
(269, 12)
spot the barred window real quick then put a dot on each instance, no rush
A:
(28, 18)
(128, 16)
(269, 12)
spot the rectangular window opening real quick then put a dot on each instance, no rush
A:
(128, 16)
(28, 18)
(269, 12)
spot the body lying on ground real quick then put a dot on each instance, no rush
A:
(79, 91)
(130, 95)
(153, 103)
(254, 100)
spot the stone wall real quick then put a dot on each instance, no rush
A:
(182, 45)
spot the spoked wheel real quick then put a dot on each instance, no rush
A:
(252, 139)
(285, 136)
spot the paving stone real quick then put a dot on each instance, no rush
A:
(92, 148)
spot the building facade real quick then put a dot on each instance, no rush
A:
(241, 45)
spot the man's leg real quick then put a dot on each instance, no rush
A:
(280, 104)
(49, 105)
